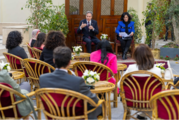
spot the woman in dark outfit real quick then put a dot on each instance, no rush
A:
(14, 39)
(125, 25)
(54, 39)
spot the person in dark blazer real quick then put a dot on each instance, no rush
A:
(14, 39)
(125, 25)
(89, 28)
(54, 39)
(61, 79)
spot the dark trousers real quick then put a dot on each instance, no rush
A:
(93, 115)
(172, 33)
(88, 43)
(125, 44)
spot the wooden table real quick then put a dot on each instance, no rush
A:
(104, 87)
(17, 75)
(82, 56)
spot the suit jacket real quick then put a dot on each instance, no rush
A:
(121, 27)
(23, 107)
(18, 51)
(47, 56)
(61, 79)
(85, 30)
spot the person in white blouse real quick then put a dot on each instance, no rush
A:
(144, 61)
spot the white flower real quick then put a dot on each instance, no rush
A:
(92, 73)
(90, 80)
(83, 76)
(86, 73)
(97, 77)
(8, 68)
(101, 37)
(76, 49)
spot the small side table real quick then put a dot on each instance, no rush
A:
(16, 75)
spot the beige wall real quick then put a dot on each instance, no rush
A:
(11, 10)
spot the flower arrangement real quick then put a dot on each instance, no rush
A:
(104, 36)
(176, 58)
(5, 66)
(90, 77)
(167, 58)
(161, 66)
(161, 57)
(77, 49)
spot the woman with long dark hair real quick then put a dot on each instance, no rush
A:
(125, 25)
(14, 39)
(40, 40)
(104, 55)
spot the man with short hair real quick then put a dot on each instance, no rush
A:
(89, 28)
(61, 79)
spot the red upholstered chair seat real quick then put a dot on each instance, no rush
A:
(5, 100)
(79, 108)
(147, 91)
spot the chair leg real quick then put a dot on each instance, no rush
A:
(116, 49)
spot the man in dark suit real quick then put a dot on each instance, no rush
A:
(89, 29)
(61, 79)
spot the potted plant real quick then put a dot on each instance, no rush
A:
(77, 50)
(104, 36)
(137, 25)
(156, 13)
(170, 49)
(91, 77)
(167, 58)
(5, 66)
(46, 16)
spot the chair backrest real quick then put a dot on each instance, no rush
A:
(37, 52)
(30, 50)
(105, 72)
(63, 104)
(165, 105)
(78, 36)
(35, 68)
(8, 103)
(14, 61)
(136, 88)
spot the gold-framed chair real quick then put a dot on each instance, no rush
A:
(105, 73)
(8, 103)
(171, 84)
(34, 69)
(66, 104)
(37, 52)
(30, 50)
(16, 63)
(165, 105)
(136, 89)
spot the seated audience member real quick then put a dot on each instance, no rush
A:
(104, 55)
(40, 41)
(61, 79)
(24, 88)
(54, 39)
(125, 25)
(14, 39)
(35, 33)
(144, 61)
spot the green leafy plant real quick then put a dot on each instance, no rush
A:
(46, 16)
(137, 25)
(161, 57)
(176, 58)
(156, 13)
(167, 58)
